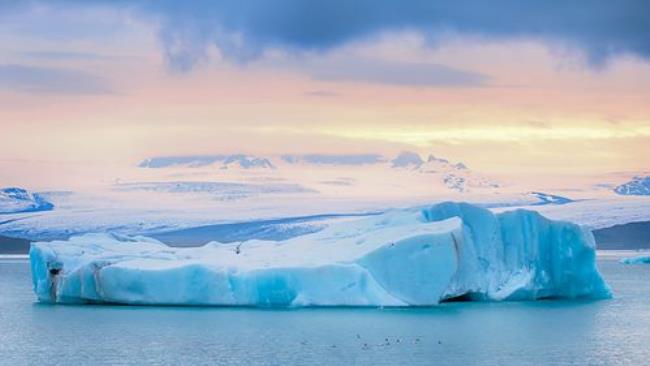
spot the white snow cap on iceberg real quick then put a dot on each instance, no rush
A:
(404, 257)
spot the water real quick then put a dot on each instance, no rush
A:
(606, 332)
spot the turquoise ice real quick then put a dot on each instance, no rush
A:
(413, 257)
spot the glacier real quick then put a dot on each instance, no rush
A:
(409, 257)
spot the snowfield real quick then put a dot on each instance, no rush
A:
(164, 195)
(413, 257)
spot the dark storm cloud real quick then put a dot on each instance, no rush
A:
(242, 30)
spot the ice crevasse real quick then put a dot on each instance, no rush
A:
(413, 257)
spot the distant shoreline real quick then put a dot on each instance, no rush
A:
(13, 246)
(628, 237)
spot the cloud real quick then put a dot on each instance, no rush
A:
(8, 7)
(44, 80)
(322, 93)
(66, 55)
(334, 159)
(538, 124)
(243, 30)
(395, 73)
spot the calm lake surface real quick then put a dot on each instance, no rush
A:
(610, 332)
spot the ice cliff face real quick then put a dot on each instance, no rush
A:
(412, 257)
(15, 200)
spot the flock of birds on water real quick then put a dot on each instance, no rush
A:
(386, 343)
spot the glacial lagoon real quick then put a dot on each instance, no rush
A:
(605, 332)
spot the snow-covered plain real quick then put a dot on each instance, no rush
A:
(163, 195)
(400, 258)
(152, 213)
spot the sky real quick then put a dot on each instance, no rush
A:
(507, 87)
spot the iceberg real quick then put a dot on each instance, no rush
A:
(640, 259)
(413, 257)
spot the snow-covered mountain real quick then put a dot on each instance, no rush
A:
(638, 186)
(194, 161)
(168, 194)
(15, 200)
(438, 174)
(456, 177)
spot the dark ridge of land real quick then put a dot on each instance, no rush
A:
(9, 245)
(633, 235)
